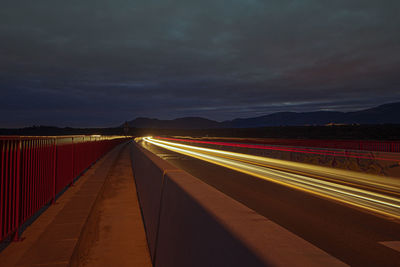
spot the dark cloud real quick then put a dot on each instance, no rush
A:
(97, 63)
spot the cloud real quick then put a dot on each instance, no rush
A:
(101, 62)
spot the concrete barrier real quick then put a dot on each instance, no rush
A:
(149, 173)
(189, 223)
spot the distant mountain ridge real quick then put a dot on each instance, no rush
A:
(383, 114)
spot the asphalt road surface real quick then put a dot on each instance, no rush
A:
(355, 235)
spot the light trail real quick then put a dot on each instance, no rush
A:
(317, 151)
(277, 171)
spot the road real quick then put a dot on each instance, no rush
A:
(356, 222)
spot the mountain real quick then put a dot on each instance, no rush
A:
(384, 114)
(387, 113)
(286, 118)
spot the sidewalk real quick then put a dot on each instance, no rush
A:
(97, 222)
(114, 234)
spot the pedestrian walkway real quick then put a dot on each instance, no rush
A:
(114, 234)
(97, 222)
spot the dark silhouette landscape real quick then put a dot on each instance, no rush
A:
(383, 114)
(379, 123)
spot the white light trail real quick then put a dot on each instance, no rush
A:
(253, 165)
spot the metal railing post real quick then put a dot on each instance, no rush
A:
(73, 162)
(54, 170)
(18, 191)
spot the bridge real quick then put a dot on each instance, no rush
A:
(157, 201)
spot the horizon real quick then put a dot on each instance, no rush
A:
(219, 121)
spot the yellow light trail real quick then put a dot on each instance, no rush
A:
(254, 165)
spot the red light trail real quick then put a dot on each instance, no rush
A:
(322, 151)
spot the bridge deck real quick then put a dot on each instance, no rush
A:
(95, 223)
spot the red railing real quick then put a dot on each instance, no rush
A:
(367, 145)
(35, 169)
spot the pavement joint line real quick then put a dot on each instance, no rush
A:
(395, 245)
(171, 170)
(48, 263)
(68, 223)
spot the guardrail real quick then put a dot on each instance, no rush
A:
(189, 223)
(34, 170)
(366, 145)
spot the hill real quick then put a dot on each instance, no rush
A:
(383, 114)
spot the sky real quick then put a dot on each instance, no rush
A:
(97, 63)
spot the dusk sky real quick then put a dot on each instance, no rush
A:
(98, 63)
